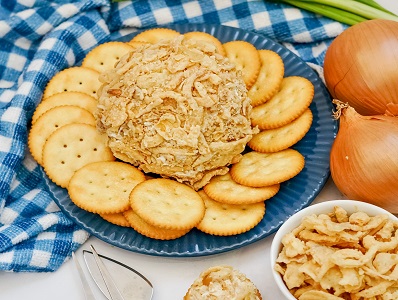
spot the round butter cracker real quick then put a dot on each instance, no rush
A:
(136, 44)
(167, 204)
(293, 98)
(104, 57)
(77, 79)
(116, 218)
(71, 147)
(104, 187)
(277, 139)
(52, 120)
(227, 219)
(223, 189)
(269, 79)
(206, 37)
(155, 35)
(264, 169)
(65, 98)
(153, 232)
(246, 58)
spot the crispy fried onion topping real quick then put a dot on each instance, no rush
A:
(176, 108)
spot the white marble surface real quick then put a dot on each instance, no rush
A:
(171, 277)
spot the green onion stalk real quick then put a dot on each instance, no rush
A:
(349, 12)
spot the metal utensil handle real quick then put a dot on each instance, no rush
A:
(114, 292)
(86, 287)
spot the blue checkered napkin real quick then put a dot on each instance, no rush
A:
(36, 42)
(39, 38)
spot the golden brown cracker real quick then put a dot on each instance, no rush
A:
(65, 98)
(77, 79)
(50, 121)
(104, 187)
(71, 147)
(277, 139)
(136, 44)
(155, 35)
(223, 189)
(153, 232)
(264, 169)
(227, 219)
(206, 37)
(116, 218)
(104, 57)
(269, 78)
(168, 204)
(293, 98)
(246, 58)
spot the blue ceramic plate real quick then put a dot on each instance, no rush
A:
(294, 194)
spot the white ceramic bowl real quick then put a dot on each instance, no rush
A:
(350, 206)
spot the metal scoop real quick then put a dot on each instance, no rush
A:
(115, 279)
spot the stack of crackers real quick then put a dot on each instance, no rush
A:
(64, 140)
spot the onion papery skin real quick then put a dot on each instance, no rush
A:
(361, 66)
(364, 159)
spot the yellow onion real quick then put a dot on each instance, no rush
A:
(361, 67)
(364, 157)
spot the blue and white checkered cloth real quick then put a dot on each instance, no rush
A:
(38, 38)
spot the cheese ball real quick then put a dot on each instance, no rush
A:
(176, 108)
(222, 282)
